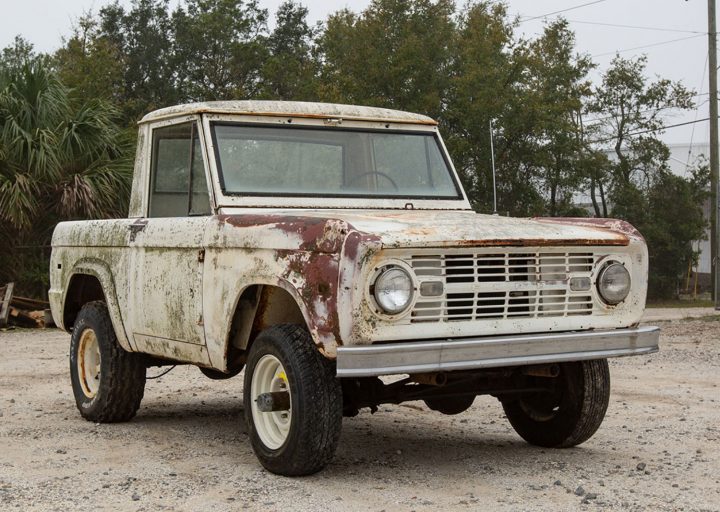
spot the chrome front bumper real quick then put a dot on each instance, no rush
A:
(494, 351)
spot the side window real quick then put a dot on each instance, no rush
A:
(177, 184)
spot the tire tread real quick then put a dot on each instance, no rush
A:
(321, 421)
(124, 372)
(574, 429)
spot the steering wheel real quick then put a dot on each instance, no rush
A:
(378, 173)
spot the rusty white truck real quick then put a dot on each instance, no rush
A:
(321, 247)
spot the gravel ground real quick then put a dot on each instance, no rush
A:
(188, 449)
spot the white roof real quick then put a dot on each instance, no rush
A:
(290, 109)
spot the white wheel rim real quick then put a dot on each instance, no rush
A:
(88, 362)
(269, 377)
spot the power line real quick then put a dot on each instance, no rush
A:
(608, 139)
(648, 45)
(523, 20)
(638, 27)
(658, 109)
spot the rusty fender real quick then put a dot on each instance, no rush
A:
(307, 256)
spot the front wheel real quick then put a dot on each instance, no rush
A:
(570, 413)
(293, 402)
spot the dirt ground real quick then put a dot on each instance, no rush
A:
(188, 449)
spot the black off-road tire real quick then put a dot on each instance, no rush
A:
(568, 417)
(450, 405)
(316, 412)
(122, 374)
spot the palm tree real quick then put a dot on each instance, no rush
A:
(60, 159)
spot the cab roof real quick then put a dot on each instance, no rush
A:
(301, 109)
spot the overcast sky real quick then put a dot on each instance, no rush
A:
(45, 22)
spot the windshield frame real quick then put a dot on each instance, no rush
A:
(328, 200)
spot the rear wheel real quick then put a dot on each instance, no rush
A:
(571, 413)
(108, 382)
(293, 402)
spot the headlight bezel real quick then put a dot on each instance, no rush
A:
(379, 307)
(606, 296)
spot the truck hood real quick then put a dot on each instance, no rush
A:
(433, 228)
(466, 228)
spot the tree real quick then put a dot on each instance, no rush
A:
(667, 209)
(16, 55)
(60, 158)
(632, 113)
(533, 91)
(674, 220)
(395, 54)
(290, 70)
(557, 88)
(219, 49)
(483, 87)
(91, 63)
(142, 39)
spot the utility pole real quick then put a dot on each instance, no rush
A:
(492, 155)
(714, 163)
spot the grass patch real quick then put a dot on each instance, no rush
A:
(710, 318)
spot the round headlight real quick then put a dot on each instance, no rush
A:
(614, 283)
(393, 290)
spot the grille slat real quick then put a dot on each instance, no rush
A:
(495, 285)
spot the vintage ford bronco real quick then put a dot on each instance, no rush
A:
(323, 246)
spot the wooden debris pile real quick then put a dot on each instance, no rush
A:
(23, 311)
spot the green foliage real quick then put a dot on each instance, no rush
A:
(60, 158)
(484, 85)
(90, 64)
(671, 221)
(218, 49)
(16, 55)
(534, 93)
(290, 71)
(557, 88)
(632, 115)
(395, 54)
(667, 209)
(140, 37)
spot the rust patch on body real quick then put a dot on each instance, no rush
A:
(319, 290)
(353, 242)
(312, 267)
(320, 234)
(623, 230)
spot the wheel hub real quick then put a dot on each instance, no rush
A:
(88, 361)
(269, 377)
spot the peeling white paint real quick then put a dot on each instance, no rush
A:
(174, 286)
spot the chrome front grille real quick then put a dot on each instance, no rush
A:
(494, 285)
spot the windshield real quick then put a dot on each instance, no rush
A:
(259, 160)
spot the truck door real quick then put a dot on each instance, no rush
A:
(166, 249)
